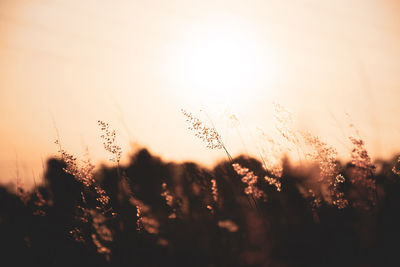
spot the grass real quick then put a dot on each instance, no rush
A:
(242, 212)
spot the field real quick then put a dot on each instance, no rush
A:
(242, 212)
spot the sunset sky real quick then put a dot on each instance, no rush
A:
(136, 64)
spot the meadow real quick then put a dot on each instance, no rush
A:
(244, 211)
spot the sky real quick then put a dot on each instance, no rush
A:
(64, 65)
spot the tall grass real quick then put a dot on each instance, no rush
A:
(243, 212)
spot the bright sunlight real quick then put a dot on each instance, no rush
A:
(219, 64)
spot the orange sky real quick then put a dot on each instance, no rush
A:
(135, 64)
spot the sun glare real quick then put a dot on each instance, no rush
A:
(221, 65)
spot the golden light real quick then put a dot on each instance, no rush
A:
(220, 64)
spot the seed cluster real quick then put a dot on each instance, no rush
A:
(169, 199)
(326, 158)
(250, 179)
(214, 190)
(83, 173)
(208, 135)
(145, 220)
(363, 169)
(324, 155)
(274, 181)
(271, 152)
(109, 137)
(283, 123)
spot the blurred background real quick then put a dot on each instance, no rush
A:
(135, 64)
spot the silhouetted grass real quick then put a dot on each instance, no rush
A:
(242, 212)
(168, 214)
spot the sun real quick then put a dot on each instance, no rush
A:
(214, 64)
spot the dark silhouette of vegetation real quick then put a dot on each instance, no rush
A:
(168, 214)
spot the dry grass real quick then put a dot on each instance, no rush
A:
(241, 207)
